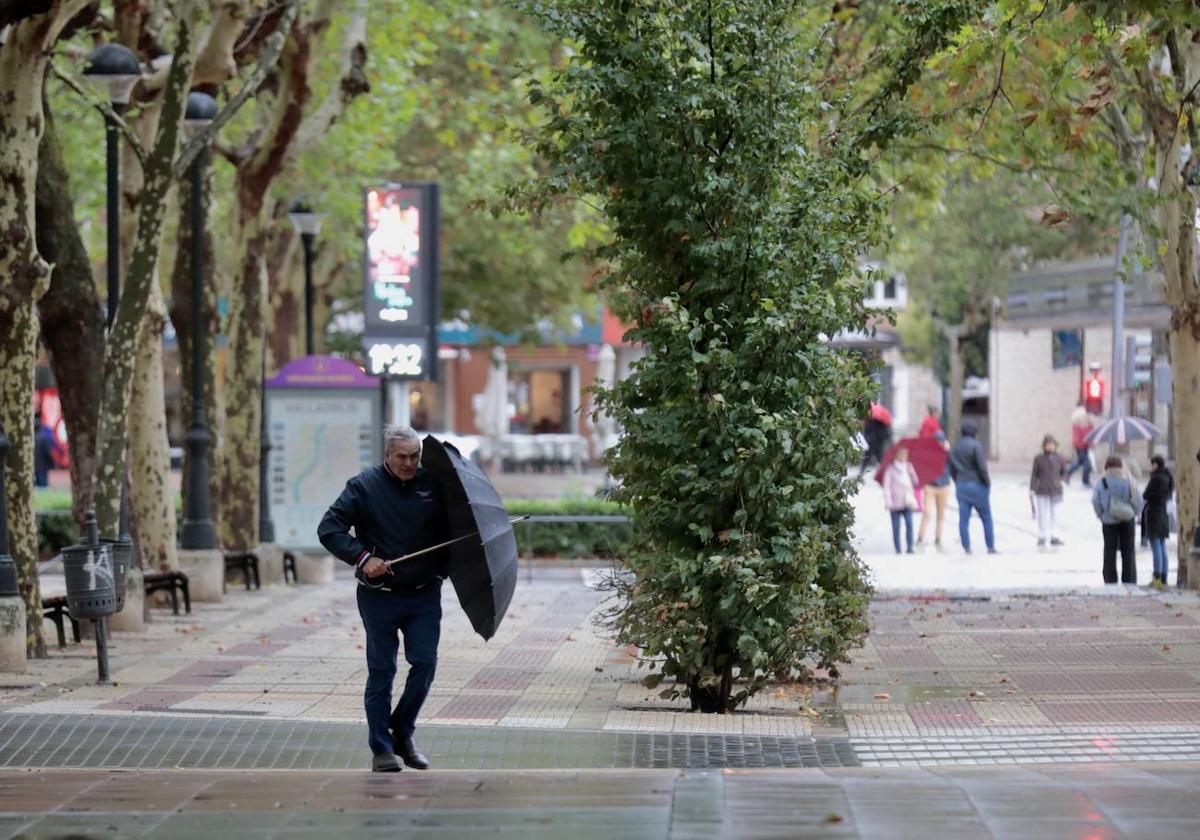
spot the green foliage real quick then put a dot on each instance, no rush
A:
(571, 539)
(56, 530)
(738, 216)
(447, 105)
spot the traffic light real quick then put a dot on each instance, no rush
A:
(1093, 394)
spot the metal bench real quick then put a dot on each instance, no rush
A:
(247, 563)
(173, 583)
(55, 609)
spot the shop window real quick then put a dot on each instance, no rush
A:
(538, 401)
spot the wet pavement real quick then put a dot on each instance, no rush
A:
(1135, 801)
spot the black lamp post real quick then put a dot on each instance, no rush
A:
(308, 225)
(8, 569)
(266, 526)
(115, 69)
(198, 531)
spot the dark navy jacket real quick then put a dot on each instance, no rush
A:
(390, 518)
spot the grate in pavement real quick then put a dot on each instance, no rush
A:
(1030, 748)
(154, 741)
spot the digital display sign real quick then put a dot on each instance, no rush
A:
(400, 294)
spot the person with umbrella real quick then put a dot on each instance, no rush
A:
(900, 485)
(395, 508)
(877, 430)
(936, 495)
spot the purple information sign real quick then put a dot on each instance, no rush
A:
(322, 372)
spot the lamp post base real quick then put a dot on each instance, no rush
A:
(133, 617)
(12, 634)
(205, 569)
(270, 563)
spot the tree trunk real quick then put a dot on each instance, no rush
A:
(1177, 213)
(151, 496)
(72, 318)
(1185, 364)
(957, 375)
(243, 385)
(23, 58)
(126, 329)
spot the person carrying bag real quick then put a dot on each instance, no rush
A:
(1117, 507)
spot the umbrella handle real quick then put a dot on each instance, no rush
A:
(389, 563)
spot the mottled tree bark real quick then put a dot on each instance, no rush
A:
(285, 134)
(126, 329)
(23, 59)
(151, 496)
(72, 317)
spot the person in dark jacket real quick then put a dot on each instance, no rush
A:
(395, 508)
(1157, 521)
(972, 486)
(877, 434)
(1046, 488)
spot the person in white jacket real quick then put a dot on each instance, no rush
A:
(900, 496)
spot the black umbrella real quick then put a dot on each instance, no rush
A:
(483, 570)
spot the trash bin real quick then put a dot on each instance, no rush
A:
(122, 559)
(88, 569)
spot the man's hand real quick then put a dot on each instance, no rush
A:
(375, 567)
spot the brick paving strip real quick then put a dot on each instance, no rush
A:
(941, 679)
(1135, 801)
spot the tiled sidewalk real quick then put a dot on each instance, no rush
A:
(940, 680)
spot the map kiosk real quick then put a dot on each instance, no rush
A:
(324, 419)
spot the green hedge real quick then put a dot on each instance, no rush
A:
(56, 528)
(570, 539)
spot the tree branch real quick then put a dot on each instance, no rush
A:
(266, 62)
(352, 83)
(105, 109)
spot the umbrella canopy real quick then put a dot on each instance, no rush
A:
(927, 455)
(880, 412)
(1123, 430)
(484, 570)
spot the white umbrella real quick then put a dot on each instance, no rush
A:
(1121, 430)
(604, 427)
(492, 416)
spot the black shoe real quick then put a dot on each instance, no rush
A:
(407, 749)
(385, 763)
(993, 551)
(1056, 541)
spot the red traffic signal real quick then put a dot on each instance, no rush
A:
(1093, 394)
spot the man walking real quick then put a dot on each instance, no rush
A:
(968, 468)
(395, 508)
(1081, 427)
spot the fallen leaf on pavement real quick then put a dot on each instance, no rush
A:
(883, 695)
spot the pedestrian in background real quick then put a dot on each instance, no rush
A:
(1081, 427)
(936, 494)
(900, 484)
(1157, 520)
(930, 425)
(1117, 506)
(973, 486)
(1046, 487)
(877, 434)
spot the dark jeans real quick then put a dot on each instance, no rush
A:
(898, 515)
(1082, 461)
(1158, 549)
(1120, 536)
(973, 495)
(417, 615)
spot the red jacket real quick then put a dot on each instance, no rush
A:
(1079, 435)
(929, 427)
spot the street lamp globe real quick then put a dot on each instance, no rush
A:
(115, 69)
(200, 111)
(304, 218)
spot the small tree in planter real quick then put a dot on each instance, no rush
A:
(737, 194)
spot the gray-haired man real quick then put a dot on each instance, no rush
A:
(395, 508)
